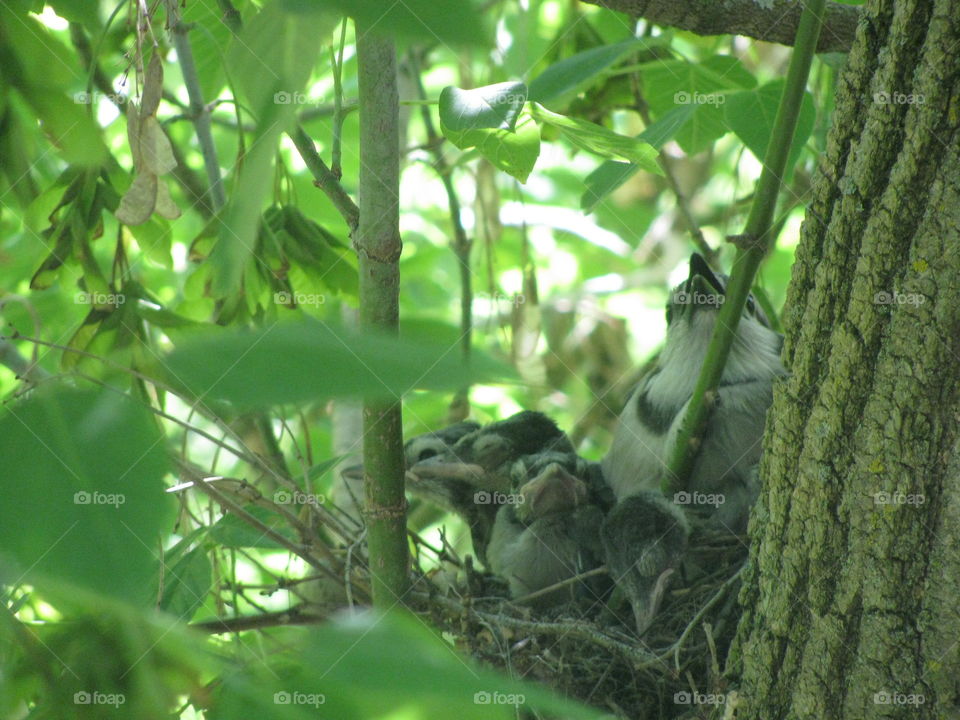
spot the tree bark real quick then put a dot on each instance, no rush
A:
(378, 249)
(850, 599)
(769, 20)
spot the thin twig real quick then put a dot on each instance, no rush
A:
(324, 178)
(199, 109)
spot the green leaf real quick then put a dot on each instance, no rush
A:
(598, 139)
(69, 127)
(604, 180)
(272, 60)
(490, 107)
(83, 12)
(234, 532)
(488, 118)
(750, 114)
(669, 84)
(308, 360)
(454, 22)
(89, 505)
(572, 73)
(516, 152)
(611, 174)
(359, 667)
(187, 583)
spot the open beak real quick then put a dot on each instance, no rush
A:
(553, 490)
(699, 268)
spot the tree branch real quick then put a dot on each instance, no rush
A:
(198, 108)
(378, 246)
(777, 24)
(752, 245)
(324, 178)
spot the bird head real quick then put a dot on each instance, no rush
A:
(692, 311)
(644, 539)
(548, 483)
(484, 456)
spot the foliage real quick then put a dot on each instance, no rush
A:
(205, 338)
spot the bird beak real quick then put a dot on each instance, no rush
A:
(553, 490)
(644, 613)
(702, 290)
(441, 467)
(699, 268)
(353, 472)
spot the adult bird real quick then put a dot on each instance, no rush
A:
(723, 482)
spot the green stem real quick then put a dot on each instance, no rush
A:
(378, 246)
(751, 248)
(198, 108)
(324, 178)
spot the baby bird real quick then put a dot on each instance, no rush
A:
(550, 531)
(472, 477)
(723, 482)
(644, 540)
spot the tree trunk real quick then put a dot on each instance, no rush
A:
(850, 600)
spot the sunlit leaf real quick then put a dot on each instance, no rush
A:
(490, 107)
(598, 139)
(751, 113)
(703, 86)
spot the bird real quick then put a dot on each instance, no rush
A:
(472, 476)
(436, 442)
(723, 482)
(644, 539)
(549, 531)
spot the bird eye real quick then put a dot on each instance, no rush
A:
(426, 453)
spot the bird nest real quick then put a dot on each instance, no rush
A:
(587, 648)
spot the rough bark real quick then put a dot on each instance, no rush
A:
(850, 602)
(752, 18)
